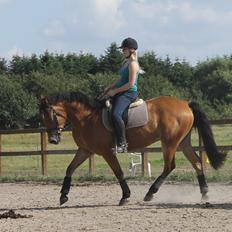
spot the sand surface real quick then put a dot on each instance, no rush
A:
(176, 207)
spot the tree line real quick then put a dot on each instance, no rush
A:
(24, 79)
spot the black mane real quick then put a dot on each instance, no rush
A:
(75, 96)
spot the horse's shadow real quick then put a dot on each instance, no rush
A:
(207, 205)
(57, 207)
(136, 206)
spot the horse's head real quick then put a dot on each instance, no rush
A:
(54, 118)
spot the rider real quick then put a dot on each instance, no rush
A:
(124, 91)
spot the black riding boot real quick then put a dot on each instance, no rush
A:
(120, 133)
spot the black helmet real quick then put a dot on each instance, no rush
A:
(129, 43)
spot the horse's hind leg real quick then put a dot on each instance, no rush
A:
(169, 165)
(79, 158)
(195, 160)
(112, 160)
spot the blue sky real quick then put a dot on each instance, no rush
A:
(191, 30)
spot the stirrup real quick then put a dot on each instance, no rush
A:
(122, 148)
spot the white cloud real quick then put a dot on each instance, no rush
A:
(150, 10)
(107, 15)
(165, 12)
(190, 13)
(3, 2)
(56, 46)
(55, 28)
(15, 51)
(74, 20)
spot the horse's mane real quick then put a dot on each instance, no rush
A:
(75, 96)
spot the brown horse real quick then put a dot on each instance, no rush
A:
(170, 120)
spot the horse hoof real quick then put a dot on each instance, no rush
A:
(123, 201)
(204, 197)
(148, 197)
(63, 199)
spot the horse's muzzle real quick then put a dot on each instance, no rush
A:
(54, 137)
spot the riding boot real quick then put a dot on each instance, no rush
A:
(121, 140)
(120, 133)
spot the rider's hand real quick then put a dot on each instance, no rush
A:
(104, 94)
(106, 89)
(111, 92)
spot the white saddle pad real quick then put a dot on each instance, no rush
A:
(137, 116)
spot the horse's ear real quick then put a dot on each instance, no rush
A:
(43, 99)
(43, 104)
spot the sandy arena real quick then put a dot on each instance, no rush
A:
(176, 207)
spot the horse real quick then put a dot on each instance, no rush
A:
(170, 121)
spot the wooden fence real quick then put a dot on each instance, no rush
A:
(44, 152)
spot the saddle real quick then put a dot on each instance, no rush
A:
(135, 115)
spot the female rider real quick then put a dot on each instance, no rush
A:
(124, 91)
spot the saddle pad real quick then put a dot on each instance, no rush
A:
(137, 116)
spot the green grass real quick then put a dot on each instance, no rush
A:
(29, 168)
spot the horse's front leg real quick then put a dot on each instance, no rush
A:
(78, 159)
(112, 160)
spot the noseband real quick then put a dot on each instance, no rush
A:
(57, 128)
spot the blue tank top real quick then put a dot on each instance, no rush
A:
(124, 78)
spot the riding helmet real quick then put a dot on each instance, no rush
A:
(129, 43)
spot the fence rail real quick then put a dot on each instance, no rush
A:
(43, 152)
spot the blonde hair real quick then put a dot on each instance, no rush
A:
(134, 55)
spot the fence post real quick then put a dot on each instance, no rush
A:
(44, 164)
(202, 153)
(91, 164)
(0, 155)
(144, 163)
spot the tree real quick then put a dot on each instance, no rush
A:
(16, 105)
(217, 86)
(51, 63)
(150, 63)
(3, 66)
(157, 85)
(17, 66)
(215, 79)
(112, 60)
(80, 64)
(181, 74)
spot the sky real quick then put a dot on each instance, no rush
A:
(191, 30)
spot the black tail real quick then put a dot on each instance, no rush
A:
(201, 121)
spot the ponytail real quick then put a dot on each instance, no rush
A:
(134, 56)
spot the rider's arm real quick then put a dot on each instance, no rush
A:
(112, 85)
(133, 69)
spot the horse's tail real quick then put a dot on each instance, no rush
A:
(201, 121)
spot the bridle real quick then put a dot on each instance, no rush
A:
(57, 128)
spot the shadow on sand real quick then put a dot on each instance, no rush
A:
(58, 207)
(136, 206)
(206, 205)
